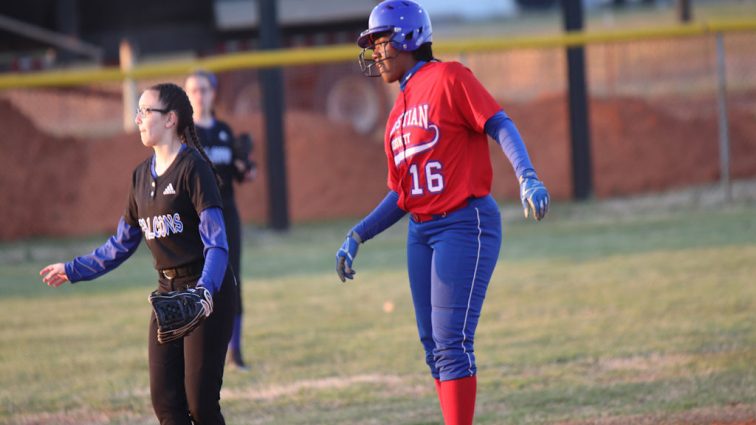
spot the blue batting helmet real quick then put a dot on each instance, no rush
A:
(407, 21)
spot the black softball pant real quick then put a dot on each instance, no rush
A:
(186, 375)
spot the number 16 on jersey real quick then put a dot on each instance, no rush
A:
(434, 179)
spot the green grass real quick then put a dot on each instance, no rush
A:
(589, 315)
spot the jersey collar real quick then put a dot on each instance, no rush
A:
(410, 73)
(152, 164)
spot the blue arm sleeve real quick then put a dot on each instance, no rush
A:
(213, 233)
(381, 218)
(502, 129)
(107, 257)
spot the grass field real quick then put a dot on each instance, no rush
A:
(591, 318)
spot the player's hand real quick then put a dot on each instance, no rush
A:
(247, 170)
(241, 167)
(54, 275)
(206, 301)
(534, 196)
(346, 254)
(251, 174)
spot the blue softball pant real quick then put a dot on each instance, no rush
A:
(450, 261)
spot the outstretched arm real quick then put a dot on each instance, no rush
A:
(381, 218)
(533, 194)
(102, 260)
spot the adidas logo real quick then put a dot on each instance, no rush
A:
(169, 190)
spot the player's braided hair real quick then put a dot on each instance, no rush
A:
(174, 98)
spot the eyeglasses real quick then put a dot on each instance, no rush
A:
(381, 47)
(143, 111)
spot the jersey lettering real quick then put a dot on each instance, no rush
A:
(420, 135)
(416, 116)
(408, 153)
(219, 154)
(161, 226)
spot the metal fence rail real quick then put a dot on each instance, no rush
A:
(340, 53)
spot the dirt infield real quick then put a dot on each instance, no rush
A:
(54, 186)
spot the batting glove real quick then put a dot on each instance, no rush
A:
(534, 196)
(345, 256)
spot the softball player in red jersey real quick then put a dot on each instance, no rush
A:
(439, 171)
(175, 203)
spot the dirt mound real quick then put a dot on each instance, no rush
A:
(68, 186)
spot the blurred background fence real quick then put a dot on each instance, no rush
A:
(654, 121)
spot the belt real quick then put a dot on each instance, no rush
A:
(191, 269)
(422, 218)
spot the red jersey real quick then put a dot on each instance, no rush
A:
(435, 142)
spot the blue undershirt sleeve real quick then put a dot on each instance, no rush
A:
(213, 233)
(381, 218)
(502, 129)
(107, 257)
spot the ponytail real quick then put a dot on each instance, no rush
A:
(191, 139)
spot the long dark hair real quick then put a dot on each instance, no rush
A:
(174, 99)
(424, 53)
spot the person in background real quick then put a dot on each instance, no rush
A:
(231, 160)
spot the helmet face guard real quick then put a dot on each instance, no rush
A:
(368, 65)
(407, 23)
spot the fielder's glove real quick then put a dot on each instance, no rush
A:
(179, 312)
(534, 196)
(345, 256)
(242, 147)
